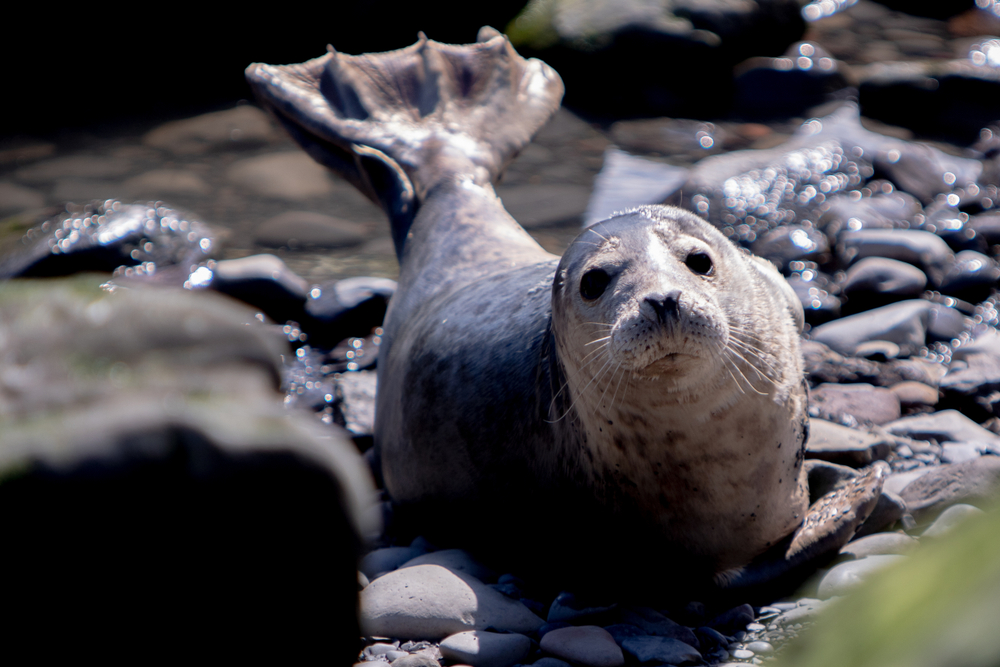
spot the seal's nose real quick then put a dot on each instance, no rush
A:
(664, 305)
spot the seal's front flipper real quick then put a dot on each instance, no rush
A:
(829, 524)
(396, 124)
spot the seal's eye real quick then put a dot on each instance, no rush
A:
(700, 263)
(593, 283)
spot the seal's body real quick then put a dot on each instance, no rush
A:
(639, 402)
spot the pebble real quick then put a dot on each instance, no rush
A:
(419, 659)
(927, 251)
(879, 544)
(244, 127)
(305, 229)
(863, 403)
(842, 578)
(586, 645)
(944, 425)
(291, 176)
(742, 654)
(949, 519)
(386, 559)
(660, 649)
(431, 602)
(904, 323)
(485, 649)
(456, 560)
(760, 647)
(15, 198)
(846, 446)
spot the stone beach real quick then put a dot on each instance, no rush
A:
(884, 222)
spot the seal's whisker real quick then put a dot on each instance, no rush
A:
(596, 375)
(764, 377)
(597, 340)
(613, 396)
(737, 369)
(755, 354)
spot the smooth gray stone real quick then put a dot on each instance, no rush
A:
(566, 608)
(843, 445)
(879, 544)
(971, 277)
(386, 559)
(791, 243)
(166, 182)
(760, 647)
(943, 426)
(862, 402)
(485, 649)
(915, 394)
(550, 662)
(924, 250)
(244, 127)
(973, 482)
(896, 482)
(842, 578)
(356, 401)
(629, 180)
(889, 508)
(456, 560)
(949, 519)
(15, 198)
(885, 277)
(290, 176)
(654, 623)
(297, 229)
(420, 659)
(91, 167)
(431, 602)
(803, 613)
(824, 477)
(586, 645)
(904, 323)
(661, 649)
(959, 452)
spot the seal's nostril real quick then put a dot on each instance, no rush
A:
(664, 305)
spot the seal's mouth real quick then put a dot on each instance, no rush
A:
(671, 363)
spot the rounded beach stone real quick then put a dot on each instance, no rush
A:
(245, 126)
(485, 649)
(844, 577)
(431, 602)
(661, 650)
(862, 402)
(880, 544)
(386, 559)
(308, 229)
(456, 560)
(584, 645)
(293, 176)
(949, 519)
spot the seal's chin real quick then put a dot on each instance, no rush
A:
(673, 363)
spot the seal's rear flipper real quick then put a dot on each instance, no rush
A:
(829, 524)
(396, 124)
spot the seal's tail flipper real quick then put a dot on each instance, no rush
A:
(395, 124)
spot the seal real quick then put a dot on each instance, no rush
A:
(640, 400)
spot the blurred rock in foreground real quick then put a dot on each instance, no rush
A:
(155, 495)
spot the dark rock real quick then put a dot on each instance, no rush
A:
(346, 308)
(952, 99)
(652, 622)
(889, 509)
(567, 607)
(791, 243)
(263, 281)
(622, 631)
(879, 210)
(103, 236)
(803, 77)
(986, 225)
(824, 477)
(660, 650)
(845, 446)
(813, 290)
(971, 383)
(165, 474)
(974, 482)
(860, 403)
(951, 225)
(733, 620)
(824, 365)
(596, 51)
(923, 249)
(972, 277)
(904, 323)
(877, 281)
(711, 639)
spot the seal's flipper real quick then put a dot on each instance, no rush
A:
(396, 124)
(829, 524)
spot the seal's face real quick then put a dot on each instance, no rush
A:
(650, 296)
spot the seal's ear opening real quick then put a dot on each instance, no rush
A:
(782, 290)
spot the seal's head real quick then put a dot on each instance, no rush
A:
(658, 293)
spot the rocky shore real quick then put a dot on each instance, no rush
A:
(873, 190)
